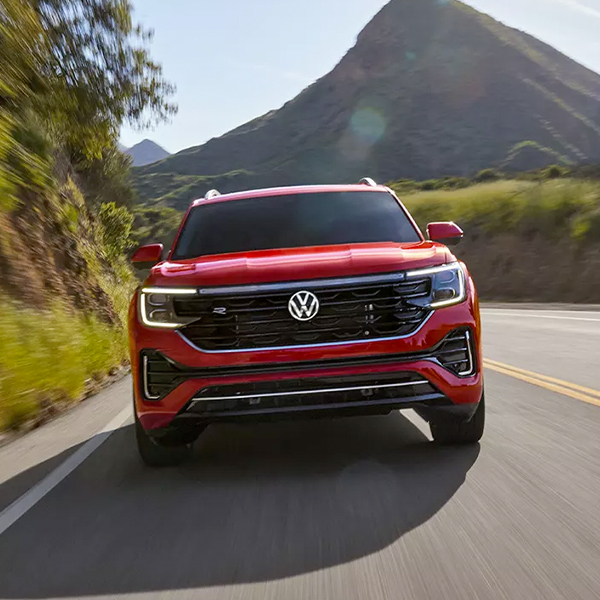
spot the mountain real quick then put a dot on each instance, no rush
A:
(145, 153)
(431, 88)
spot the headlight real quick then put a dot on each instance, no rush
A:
(157, 309)
(447, 286)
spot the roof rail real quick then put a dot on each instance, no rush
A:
(367, 181)
(211, 194)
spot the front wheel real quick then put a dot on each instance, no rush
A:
(155, 454)
(448, 429)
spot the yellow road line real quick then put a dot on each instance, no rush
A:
(568, 384)
(550, 383)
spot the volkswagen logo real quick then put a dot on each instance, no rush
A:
(303, 306)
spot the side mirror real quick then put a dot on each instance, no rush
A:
(146, 257)
(446, 233)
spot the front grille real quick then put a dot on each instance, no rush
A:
(261, 319)
(313, 393)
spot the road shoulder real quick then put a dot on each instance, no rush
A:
(28, 459)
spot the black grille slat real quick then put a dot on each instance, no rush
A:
(224, 341)
(160, 378)
(189, 308)
(310, 383)
(457, 363)
(356, 312)
(323, 325)
(451, 350)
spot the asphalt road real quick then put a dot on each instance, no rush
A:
(349, 509)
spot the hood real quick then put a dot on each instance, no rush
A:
(296, 264)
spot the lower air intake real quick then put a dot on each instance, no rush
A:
(320, 392)
(455, 353)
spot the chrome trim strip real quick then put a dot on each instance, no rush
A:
(170, 291)
(312, 392)
(471, 368)
(145, 380)
(305, 284)
(433, 270)
(301, 347)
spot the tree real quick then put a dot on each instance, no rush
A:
(22, 53)
(108, 179)
(100, 71)
(71, 73)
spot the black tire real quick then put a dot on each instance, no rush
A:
(448, 429)
(155, 454)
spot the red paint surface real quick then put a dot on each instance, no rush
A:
(295, 264)
(152, 253)
(444, 231)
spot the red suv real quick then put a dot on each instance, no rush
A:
(303, 301)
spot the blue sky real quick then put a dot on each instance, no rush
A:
(233, 60)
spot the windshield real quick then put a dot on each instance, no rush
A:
(293, 221)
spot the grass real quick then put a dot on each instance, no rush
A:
(48, 356)
(554, 209)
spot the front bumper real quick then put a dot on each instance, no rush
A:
(204, 387)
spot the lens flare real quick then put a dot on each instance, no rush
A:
(368, 124)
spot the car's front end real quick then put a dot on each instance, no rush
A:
(312, 331)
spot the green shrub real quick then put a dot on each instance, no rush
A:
(430, 184)
(555, 171)
(156, 225)
(455, 183)
(116, 223)
(487, 175)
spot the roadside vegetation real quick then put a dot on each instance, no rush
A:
(558, 210)
(52, 358)
(56, 347)
(525, 240)
(72, 73)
